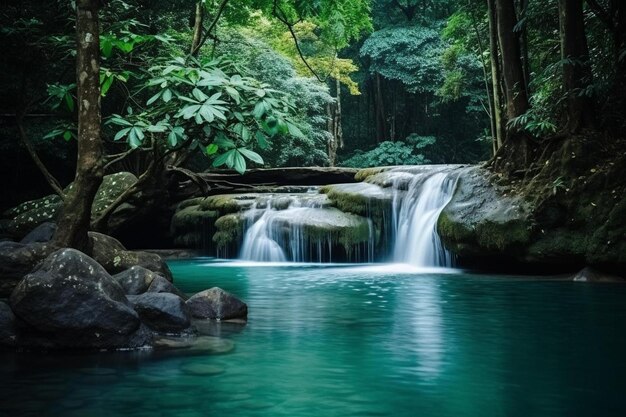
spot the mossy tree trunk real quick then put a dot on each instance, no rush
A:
(73, 223)
(496, 77)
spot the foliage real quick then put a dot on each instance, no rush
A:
(410, 55)
(208, 103)
(393, 153)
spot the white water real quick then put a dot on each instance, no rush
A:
(274, 235)
(415, 215)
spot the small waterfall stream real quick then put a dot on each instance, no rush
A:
(417, 197)
(415, 215)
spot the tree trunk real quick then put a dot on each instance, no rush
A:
(332, 140)
(496, 76)
(380, 111)
(73, 223)
(197, 29)
(512, 70)
(523, 40)
(338, 126)
(576, 69)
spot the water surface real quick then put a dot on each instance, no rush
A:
(341, 340)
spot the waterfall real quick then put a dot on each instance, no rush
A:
(415, 214)
(306, 230)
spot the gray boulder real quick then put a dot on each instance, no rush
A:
(40, 234)
(163, 312)
(215, 303)
(136, 280)
(70, 301)
(161, 285)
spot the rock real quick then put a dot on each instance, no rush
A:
(114, 257)
(161, 285)
(135, 280)
(201, 369)
(593, 275)
(70, 301)
(28, 215)
(481, 221)
(8, 331)
(40, 234)
(17, 260)
(215, 303)
(163, 312)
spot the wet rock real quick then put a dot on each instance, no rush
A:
(163, 312)
(114, 257)
(161, 285)
(201, 369)
(593, 275)
(135, 280)
(70, 301)
(215, 303)
(40, 234)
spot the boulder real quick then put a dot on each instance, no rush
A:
(163, 312)
(40, 234)
(70, 301)
(593, 275)
(8, 331)
(215, 303)
(114, 257)
(136, 280)
(17, 260)
(161, 285)
(28, 215)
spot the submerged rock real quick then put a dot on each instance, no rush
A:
(70, 301)
(593, 275)
(215, 303)
(163, 312)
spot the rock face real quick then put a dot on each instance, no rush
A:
(216, 303)
(481, 222)
(71, 301)
(163, 312)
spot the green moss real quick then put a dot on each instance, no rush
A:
(364, 174)
(229, 230)
(223, 203)
(451, 231)
(502, 236)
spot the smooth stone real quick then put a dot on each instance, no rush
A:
(215, 303)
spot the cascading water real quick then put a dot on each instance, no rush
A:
(415, 215)
(305, 231)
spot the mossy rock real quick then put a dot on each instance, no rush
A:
(364, 174)
(362, 199)
(480, 220)
(229, 230)
(222, 203)
(30, 214)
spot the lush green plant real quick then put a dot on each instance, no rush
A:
(208, 103)
(407, 152)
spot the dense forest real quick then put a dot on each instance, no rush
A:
(181, 87)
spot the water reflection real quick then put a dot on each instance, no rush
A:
(354, 341)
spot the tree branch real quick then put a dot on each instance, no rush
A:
(220, 10)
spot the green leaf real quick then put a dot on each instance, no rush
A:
(172, 139)
(167, 95)
(259, 110)
(212, 149)
(67, 135)
(108, 82)
(239, 163)
(221, 159)
(295, 131)
(154, 98)
(121, 133)
(261, 139)
(251, 155)
(69, 101)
